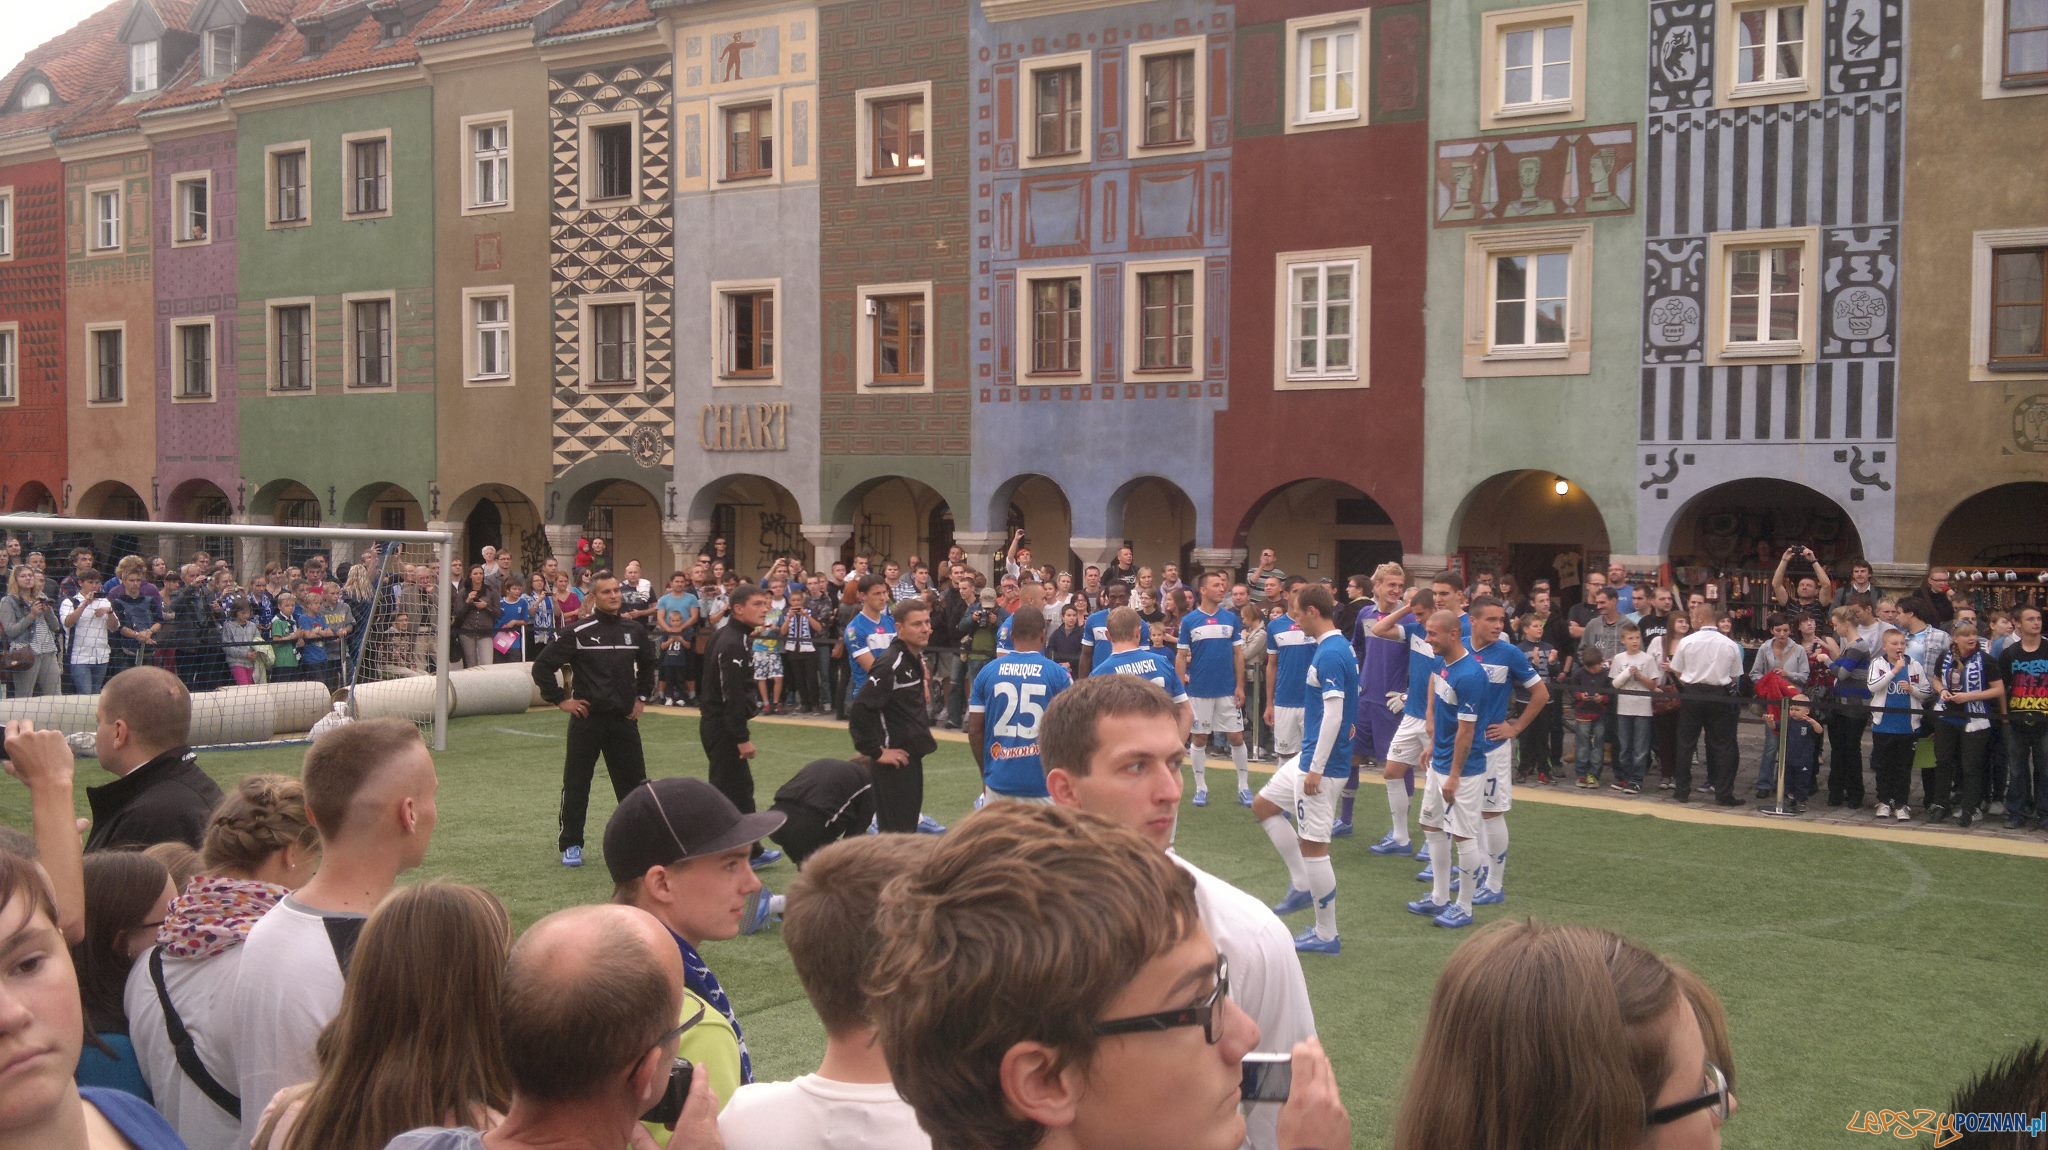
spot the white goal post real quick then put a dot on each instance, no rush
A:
(58, 535)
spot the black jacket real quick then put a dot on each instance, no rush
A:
(946, 620)
(839, 790)
(890, 710)
(614, 660)
(167, 799)
(726, 684)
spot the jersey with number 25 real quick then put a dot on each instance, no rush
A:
(1011, 695)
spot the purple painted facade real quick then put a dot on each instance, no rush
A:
(196, 438)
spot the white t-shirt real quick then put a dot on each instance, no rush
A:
(89, 637)
(288, 988)
(1265, 978)
(816, 1113)
(1618, 673)
(203, 991)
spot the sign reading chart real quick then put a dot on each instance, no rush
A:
(743, 427)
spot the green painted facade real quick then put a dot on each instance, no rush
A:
(367, 438)
(1582, 427)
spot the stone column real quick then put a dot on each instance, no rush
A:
(1422, 567)
(826, 542)
(1895, 579)
(980, 547)
(562, 539)
(1229, 559)
(685, 537)
(250, 555)
(1099, 552)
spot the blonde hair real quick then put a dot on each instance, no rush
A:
(1388, 569)
(263, 815)
(16, 577)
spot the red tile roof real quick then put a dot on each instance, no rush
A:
(477, 17)
(362, 48)
(602, 15)
(87, 69)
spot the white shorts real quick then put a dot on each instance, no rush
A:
(1410, 746)
(1500, 778)
(1313, 814)
(990, 798)
(1287, 731)
(1461, 816)
(1219, 714)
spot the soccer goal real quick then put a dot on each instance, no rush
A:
(269, 627)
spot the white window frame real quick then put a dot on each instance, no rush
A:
(1357, 23)
(93, 221)
(721, 302)
(349, 141)
(586, 342)
(864, 102)
(1134, 99)
(35, 95)
(1804, 349)
(271, 153)
(178, 185)
(472, 160)
(1286, 376)
(6, 223)
(1495, 26)
(351, 380)
(586, 159)
(92, 364)
(1983, 245)
(472, 337)
(1995, 87)
(177, 358)
(206, 46)
(10, 363)
(143, 64)
(1728, 93)
(1481, 359)
(270, 345)
(1022, 351)
(1027, 115)
(864, 336)
(1134, 322)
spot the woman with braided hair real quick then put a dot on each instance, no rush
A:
(259, 846)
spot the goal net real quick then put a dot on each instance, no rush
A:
(269, 627)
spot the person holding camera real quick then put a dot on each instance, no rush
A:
(28, 634)
(1808, 596)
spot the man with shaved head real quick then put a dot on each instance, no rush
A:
(370, 790)
(159, 794)
(585, 1005)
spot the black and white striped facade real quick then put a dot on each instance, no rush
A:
(1832, 163)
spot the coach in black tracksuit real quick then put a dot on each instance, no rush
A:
(828, 800)
(889, 722)
(727, 698)
(614, 664)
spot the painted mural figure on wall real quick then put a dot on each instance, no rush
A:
(730, 56)
(1545, 174)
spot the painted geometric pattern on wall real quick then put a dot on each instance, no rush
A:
(597, 251)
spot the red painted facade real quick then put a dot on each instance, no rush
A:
(1350, 187)
(32, 430)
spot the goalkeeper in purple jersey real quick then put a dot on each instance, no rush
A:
(1382, 680)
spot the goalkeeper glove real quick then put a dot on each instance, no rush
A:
(1395, 702)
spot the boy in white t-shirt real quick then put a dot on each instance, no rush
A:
(829, 926)
(88, 615)
(1633, 671)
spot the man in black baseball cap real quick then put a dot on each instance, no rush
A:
(677, 849)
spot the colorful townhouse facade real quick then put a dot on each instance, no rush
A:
(1523, 285)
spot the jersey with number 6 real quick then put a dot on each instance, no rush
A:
(1011, 695)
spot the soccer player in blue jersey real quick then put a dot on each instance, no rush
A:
(1127, 657)
(1308, 784)
(1003, 711)
(1211, 662)
(1288, 649)
(1507, 667)
(1030, 601)
(869, 633)
(1451, 793)
(1411, 739)
(1095, 645)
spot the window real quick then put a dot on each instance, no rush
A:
(899, 338)
(1169, 99)
(369, 342)
(291, 198)
(1769, 51)
(1533, 65)
(1528, 302)
(1537, 66)
(36, 95)
(10, 362)
(1056, 326)
(368, 175)
(749, 336)
(142, 67)
(897, 135)
(106, 219)
(490, 164)
(220, 53)
(749, 141)
(1056, 112)
(191, 198)
(490, 341)
(1764, 297)
(2019, 306)
(6, 223)
(2023, 43)
(291, 347)
(194, 366)
(609, 341)
(1326, 71)
(611, 169)
(1321, 311)
(109, 353)
(1166, 321)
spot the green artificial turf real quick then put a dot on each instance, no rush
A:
(1858, 974)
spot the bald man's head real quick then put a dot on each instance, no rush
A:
(588, 991)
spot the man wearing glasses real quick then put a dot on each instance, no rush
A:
(1045, 980)
(1112, 747)
(677, 849)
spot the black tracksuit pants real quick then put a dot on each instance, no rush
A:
(617, 738)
